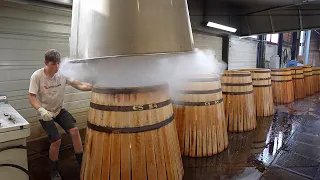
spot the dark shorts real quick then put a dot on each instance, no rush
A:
(64, 119)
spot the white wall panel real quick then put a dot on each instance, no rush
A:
(242, 53)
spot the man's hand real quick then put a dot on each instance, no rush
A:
(81, 85)
(45, 115)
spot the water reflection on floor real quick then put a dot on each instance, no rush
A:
(251, 155)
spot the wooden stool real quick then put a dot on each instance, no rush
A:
(199, 114)
(262, 90)
(298, 82)
(239, 104)
(282, 86)
(316, 78)
(131, 135)
(308, 80)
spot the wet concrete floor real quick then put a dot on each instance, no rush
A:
(284, 146)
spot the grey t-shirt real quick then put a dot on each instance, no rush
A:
(49, 91)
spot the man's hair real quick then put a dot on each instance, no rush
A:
(52, 55)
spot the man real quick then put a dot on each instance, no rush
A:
(46, 94)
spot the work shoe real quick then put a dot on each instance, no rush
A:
(55, 175)
(54, 171)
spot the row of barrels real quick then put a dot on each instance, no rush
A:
(141, 132)
(290, 84)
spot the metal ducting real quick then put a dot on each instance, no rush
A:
(129, 27)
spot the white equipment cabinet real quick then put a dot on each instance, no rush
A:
(14, 130)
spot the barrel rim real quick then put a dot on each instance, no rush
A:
(129, 90)
(261, 79)
(297, 68)
(281, 74)
(235, 73)
(280, 70)
(213, 91)
(256, 70)
(307, 66)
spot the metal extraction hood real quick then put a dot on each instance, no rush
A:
(103, 28)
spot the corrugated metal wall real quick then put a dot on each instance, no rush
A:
(242, 53)
(26, 32)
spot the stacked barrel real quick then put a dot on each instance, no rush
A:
(199, 113)
(282, 86)
(316, 78)
(262, 90)
(308, 80)
(238, 95)
(298, 82)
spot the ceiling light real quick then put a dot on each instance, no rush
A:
(220, 26)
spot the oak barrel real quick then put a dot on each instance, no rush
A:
(262, 90)
(298, 82)
(240, 111)
(131, 135)
(316, 78)
(308, 80)
(199, 113)
(282, 86)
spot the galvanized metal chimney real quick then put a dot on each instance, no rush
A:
(129, 27)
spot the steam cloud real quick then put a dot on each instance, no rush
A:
(134, 71)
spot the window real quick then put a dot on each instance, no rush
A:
(273, 38)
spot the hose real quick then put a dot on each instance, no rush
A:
(18, 167)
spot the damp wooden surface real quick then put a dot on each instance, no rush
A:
(282, 86)
(240, 109)
(308, 80)
(144, 154)
(262, 90)
(298, 82)
(200, 124)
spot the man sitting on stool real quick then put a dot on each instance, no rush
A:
(46, 94)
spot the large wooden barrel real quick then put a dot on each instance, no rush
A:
(238, 98)
(131, 135)
(316, 78)
(308, 80)
(199, 114)
(262, 90)
(282, 86)
(298, 82)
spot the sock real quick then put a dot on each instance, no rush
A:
(79, 158)
(55, 165)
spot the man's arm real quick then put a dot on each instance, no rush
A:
(81, 85)
(33, 101)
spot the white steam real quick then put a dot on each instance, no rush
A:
(133, 71)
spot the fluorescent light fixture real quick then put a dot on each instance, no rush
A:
(220, 26)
